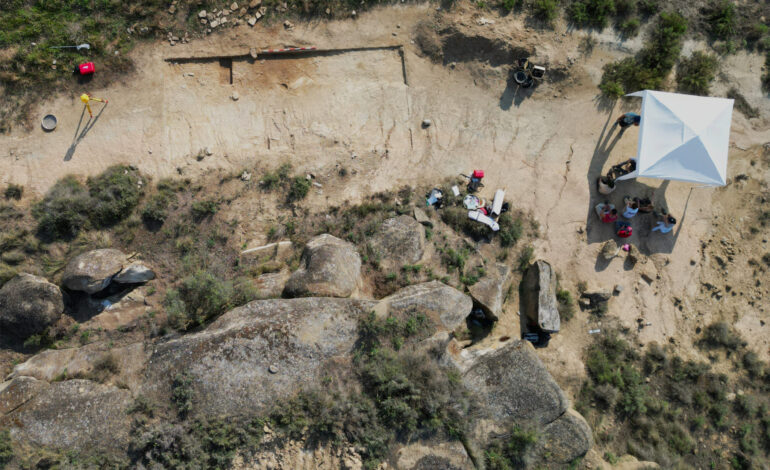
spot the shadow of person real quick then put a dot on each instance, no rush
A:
(80, 135)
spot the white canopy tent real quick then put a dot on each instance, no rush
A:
(683, 137)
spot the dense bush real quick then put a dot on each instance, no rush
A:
(298, 189)
(510, 451)
(457, 219)
(721, 17)
(114, 195)
(545, 10)
(155, 210)
(593, 13)
(695, 74)
(629, 28)
(14, 191)
(510, 229)
(203, 296)
(70, 207)
(510, 5)
(63, 212)
(721, 335)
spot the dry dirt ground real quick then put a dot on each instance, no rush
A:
(362, 111)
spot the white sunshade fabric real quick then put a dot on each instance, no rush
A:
(683, 137)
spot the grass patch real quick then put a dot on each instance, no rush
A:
(201, 210)
(695, 73)
(6, 450)
(721, 335)
(722, 19)
(566, 304)
(509, 451)
(14, 191)
(591, 13)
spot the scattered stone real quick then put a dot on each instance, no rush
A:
(426, 123)
(202, 14)
(208, 151)
(330, 267)
(252, 21)
(233, 6)
(610, 249)
(135, 272)
(214, 23)
(317, 184)
(538, 297)
(271, 285)
(489, 292)
(421, 217)
(288, 24)
(273, 369)
(255, 3)
(245, 176)
(172, 9)
(618, 289)
(235, 96)
(242, 11)
(353, 13)
(92, 271)
(253, 50)
(277, 249)
(28, 305)
(597, 298)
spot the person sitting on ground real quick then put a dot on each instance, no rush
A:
(665, 223)
(645, 205)
(606, 212)
(632, 207)
(623, 168)
(629, 119)
(623, 229)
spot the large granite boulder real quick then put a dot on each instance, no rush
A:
(330, 268)
(399, 241)
(134, 273)
(512, 383)
(73, 415)
(564, 440)
(445, 306)
(489, 292)
(92, 271)
(28, 305)
(538, 297)
(255, 354)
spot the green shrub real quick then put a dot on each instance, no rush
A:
(203, 296)
(155, 210)
(593, 13)
(629, 28)
(722, 20)
(525, 257)
(457, 218)
(182, 393)
(63, 212)
(509, 452)
(114, 195)
(274, 179)
(695, 74)
(721, 334)
(14, 191)
(566, 304)
(6, 450)
(510, 229)
(298, 189)
(510, 5)
(454, 259)
(203, 209)
(545, 10)
(753, 364)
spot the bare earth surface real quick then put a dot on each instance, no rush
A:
(354, 110)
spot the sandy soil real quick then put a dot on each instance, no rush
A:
(354, 110)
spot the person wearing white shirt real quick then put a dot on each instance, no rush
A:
(632, 207)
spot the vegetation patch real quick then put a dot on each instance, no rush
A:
(695, 73)
(509, 451)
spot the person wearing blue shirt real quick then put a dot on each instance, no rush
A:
(629, 119)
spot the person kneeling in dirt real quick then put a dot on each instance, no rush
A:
(645, 205)
(623, 229)
(665, 222)
(606, 212)
(623, 168)
(632, 207)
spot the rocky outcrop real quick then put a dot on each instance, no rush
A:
(73, 415)
(489, 292)
(271, 285)
(330, 268)
(538, 297)
(400, 241)
(513, 384)
(445, 306)
(28, 305)
(256, 353)
(564, 440)
(422, 217)
(92, 271)
(134, 273)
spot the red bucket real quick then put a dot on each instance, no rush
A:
(86, 68)
(478, 174)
